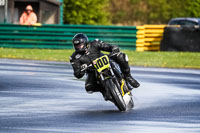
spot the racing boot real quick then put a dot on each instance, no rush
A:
(122, 60)
(131, 81)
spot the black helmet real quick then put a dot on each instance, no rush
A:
(80, 41)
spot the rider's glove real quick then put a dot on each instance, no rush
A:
(115, 50)
(83, 67)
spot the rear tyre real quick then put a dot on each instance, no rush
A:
(116, 95)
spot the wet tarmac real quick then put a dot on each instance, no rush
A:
(44, 97)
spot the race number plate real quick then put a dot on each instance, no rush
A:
(101, 63)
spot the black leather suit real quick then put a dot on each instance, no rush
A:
(94, 49)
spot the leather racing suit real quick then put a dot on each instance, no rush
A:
(93, 51)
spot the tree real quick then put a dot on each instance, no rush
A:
(193, 9)
(128, 12)
(86, 12)
(159, 11)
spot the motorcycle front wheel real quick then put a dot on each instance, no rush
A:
(116, 95)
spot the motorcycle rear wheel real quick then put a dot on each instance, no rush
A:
(116, 95)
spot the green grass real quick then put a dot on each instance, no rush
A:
(36, 54)
(147, 59)
(165, 59)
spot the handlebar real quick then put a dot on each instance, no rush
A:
(85, 66)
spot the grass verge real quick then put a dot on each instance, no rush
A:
(146, 59)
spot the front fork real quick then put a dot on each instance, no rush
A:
(115, 80)
(120, 87)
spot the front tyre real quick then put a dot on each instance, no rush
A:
(116, 95)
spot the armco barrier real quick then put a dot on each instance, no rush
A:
(184, 38)
(60, 36)
(149, 37)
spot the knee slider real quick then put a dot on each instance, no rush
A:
(89, 88)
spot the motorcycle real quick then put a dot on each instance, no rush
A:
(111, 78)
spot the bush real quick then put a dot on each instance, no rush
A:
(86, 12)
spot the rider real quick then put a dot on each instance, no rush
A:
(86, 51)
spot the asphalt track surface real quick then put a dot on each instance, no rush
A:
(44, 97)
